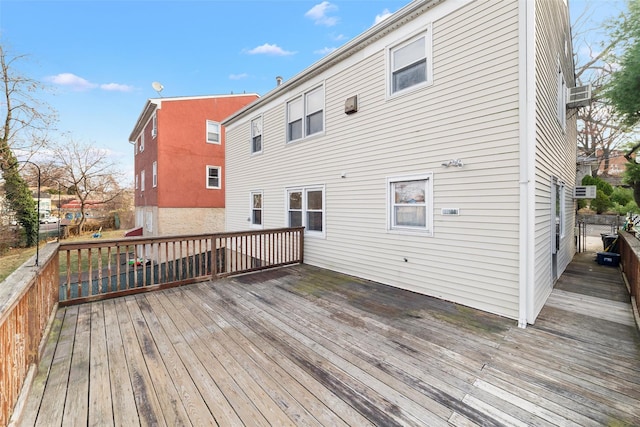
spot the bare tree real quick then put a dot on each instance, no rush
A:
(28, 120)
(87, 172)
(600, 132)
(25, 126)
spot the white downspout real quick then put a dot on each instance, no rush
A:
(527, 108)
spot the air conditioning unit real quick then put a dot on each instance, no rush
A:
(584, 192)
(579, 96)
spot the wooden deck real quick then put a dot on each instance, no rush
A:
(304, 346)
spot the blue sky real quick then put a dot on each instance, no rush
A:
(99, 58)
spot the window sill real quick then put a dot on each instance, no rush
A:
(306, 138)
(410, 232)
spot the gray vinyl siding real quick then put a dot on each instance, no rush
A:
(555, 148)
(470, 112)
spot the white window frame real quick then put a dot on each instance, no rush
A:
(428, 204)
(155, 174)
(219, 169)
(428, 57)
(141, 142)
(252, 209)
(254, 134)
(305, 210)
(219, 132)
(137, 182)
(561, 112)
(142, 180)
(154, 126)
(303, 98)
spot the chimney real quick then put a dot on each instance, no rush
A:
(278, 80)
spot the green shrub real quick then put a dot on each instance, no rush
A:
(601, 184)
(621, 195)
(601, 203)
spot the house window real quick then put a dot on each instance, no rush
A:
(410, 63)
(256, 135)
(410, 203)
(256, 208)
(305, 114)
(562, 99)
(142, 180)
(305, 207)
(141, 142)
(213, 177)
(154, 126)
(213, 132)
(137, 183)
(155, 174)
(314, 105)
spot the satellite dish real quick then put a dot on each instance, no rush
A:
(157, 87)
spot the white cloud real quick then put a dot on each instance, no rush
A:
(79, 84)
(238, 76)
(270, 49)
(324, 50)
(72, 81)
(338, 37)
(382, 16)
(116, 87)
(319, 13)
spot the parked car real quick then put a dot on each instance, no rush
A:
(49, 220)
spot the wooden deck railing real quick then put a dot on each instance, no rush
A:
(72, 273)
(109, 268)
(630, 259)
(27, 300)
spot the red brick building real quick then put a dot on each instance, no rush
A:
(179, 163)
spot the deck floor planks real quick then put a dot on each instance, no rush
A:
(428, 354)
(37, 389)
(550, 398)
(580, 371)
(123, 400)
(148, 406)
(319, 401)
(378, 409)
(407, 346)
(394, 365)
(100, 411)
(196, 410)
(205, 347)
(554, 346)
(355, 366)
(601, 308)
(51, 411)
(164, 387)
(76, 407)
(296, 413)
(261, 407)
(340, 351)
(579, 362)
(218, 406)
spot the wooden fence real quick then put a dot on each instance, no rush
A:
(629, 247)
(71, 273)
(110, 268)
(27, 300)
